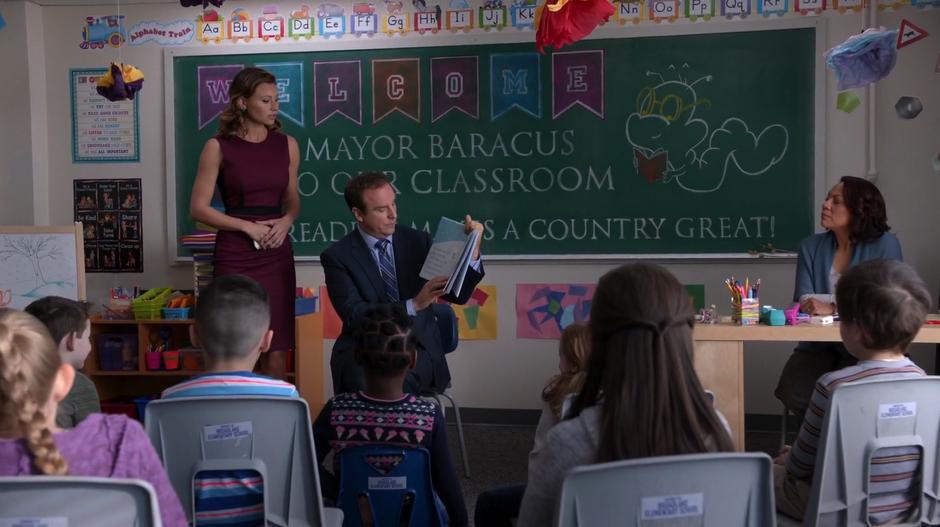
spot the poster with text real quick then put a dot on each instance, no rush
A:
(103, 131)
(110, 212)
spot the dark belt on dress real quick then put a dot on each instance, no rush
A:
(254, 211)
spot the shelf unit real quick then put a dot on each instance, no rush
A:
(308, 359)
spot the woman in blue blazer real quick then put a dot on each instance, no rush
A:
(855, 220)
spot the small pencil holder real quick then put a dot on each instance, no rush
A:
(153, 359)
(745, 313)
(171, 360)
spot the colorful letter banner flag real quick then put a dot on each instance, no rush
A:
(543, 311)
(731, 8)
(212, 85)
(332, 325)
(578, 78)
(337, 88)
(290, 88)
(477, 319)
(455, 83)
(396, 86)
(773, 7)
(515, 82)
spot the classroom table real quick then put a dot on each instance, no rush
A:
(719, 359)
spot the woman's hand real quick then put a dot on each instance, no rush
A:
(277, 232)
(256, 231)
(817, 307)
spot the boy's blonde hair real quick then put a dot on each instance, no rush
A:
(575, 347)
(29, 362)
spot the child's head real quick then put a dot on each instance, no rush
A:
(573, 351)
(641, 369)
(67, 322)
(233, 318)
(882, 306)
(386, 345)
(33, 379)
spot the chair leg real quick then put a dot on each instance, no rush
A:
(783, 427)
(463, 445)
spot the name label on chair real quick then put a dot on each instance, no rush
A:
(677, 506)
(227, 431)
(57, 521)
(388, 483)
(897, 410)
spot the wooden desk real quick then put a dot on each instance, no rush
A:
(719, 359)
(309, 361)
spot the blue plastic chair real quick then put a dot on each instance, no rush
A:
(389, 486)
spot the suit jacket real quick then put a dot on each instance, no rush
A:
(354, 284)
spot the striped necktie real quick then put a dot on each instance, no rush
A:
(387, 269)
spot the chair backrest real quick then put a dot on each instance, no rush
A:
(863, 417)
(392, 485)
(701, 490)
(446, 325)
(80, 501)
(271, 435)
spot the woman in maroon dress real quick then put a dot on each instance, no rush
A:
(255, 167)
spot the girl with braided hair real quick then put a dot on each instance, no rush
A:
(641, 397)
(386, 348)
(33, 379)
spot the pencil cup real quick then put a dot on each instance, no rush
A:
(153, 360)
(171, 360)
(745, 313)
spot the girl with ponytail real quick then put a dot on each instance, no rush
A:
(33, 379)
(641, 396)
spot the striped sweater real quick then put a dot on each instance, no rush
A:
(893, 470)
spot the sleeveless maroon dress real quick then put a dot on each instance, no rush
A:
(252, 181)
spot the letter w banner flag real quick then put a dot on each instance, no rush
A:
(212, 90)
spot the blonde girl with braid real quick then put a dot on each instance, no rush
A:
(383, 414)
(33, 379)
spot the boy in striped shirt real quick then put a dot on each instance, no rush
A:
(232, 327)
(882, 305)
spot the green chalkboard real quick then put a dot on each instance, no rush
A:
(685, 144)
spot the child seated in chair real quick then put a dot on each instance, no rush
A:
(882, 306)
(232, 327)
(386, 348)
(33, 380)
(67, 322)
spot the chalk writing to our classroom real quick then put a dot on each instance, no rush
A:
(651, 145)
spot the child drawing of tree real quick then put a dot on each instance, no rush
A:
(35, 249)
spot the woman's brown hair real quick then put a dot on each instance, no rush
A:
(641, 372)
(868, 213)
(575, 347)
(246, 81)
(29, 362)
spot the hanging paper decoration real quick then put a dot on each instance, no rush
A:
(203, 3)
(568, 21)
(863, 58)
(120, 82)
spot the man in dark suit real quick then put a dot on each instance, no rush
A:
(378, 263)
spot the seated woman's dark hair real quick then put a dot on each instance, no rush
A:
(384, 338)
(867, 208)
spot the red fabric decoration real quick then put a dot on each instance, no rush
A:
(565, 22)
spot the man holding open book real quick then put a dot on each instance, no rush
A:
(382, 262)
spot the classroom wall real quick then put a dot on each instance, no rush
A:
(506, 373)
(15, 151)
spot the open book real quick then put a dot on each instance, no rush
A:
(450, 254)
